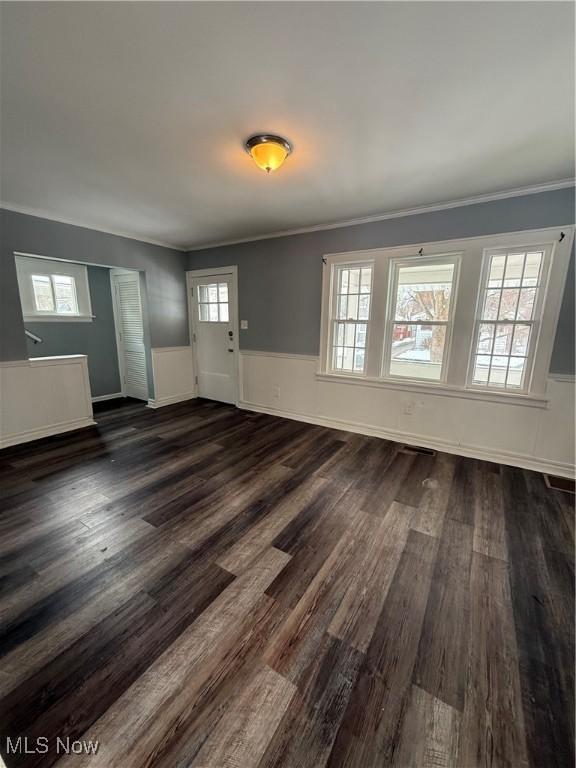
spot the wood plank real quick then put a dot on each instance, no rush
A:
(241, 737)
(429, 737)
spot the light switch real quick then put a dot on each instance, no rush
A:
(243, 325)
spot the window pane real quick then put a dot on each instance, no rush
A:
(343, 281)
(202, 293)
(359, 360)
(361, 330)
(366, 281)
(343, 307)
(503, 339)
(521, 339)
(496, 271)
(424, 292)
(339, 334)
(516, 370)
(498, 371)
(526, 303)
(481, 369)
(213, 292)
(65, 294)
(514, 269)
(204, 316)
(354, 284)
(364, 307)
(491, 304)
(508, 304)
(223, 313)
(213, 313)
(486, 339)
(418, 351)
(532, 268)
(353, 307)
(43, 297)
(349, 335)
(222, 292)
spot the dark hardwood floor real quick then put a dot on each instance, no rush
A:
(201, 586)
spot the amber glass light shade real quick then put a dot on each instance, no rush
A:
(268, 152)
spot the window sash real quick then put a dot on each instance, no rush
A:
(51, 283)
(395, 266)
(335, 321)
(534, 322)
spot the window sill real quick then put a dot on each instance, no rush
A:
(440, 390)
(58, 318)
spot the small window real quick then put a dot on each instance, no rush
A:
(213, 303)
(350, 316)
(55, 294)
(53, 290)
(419, 326)
(509, 308)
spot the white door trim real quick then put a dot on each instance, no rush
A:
(232, 271)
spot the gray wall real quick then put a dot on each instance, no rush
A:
(96, 339)
(279, 280)
(164, 275)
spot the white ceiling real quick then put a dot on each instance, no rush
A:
(131, 116)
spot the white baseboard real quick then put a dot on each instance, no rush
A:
(36, 434)
(471, 451)
(101, 398)
(162, 401)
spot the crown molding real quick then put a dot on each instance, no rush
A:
(487, 198)
(518, 192)
(39, 214)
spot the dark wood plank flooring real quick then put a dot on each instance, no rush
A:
(201, 586)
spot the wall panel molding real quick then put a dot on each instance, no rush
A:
(174, 381)
(540, 439)
(42, 397)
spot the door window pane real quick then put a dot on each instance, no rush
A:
(213, 303)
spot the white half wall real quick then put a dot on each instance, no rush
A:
(43, 396)
(533, 435)
(173, 370)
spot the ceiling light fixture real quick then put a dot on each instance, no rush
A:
(268, 151)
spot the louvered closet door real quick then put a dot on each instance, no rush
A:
(132, 353)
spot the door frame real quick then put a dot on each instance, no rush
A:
(231, 271)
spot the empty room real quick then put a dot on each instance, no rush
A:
(287, 408)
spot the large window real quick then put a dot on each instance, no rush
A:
(53, 290)
(508, 312)
(476, 315)
(418, 330)
(350, 314)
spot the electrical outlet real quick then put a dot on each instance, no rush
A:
(243, 325)
(408, 407)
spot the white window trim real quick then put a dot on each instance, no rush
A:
(464, 320)
(395, 266)
(27, 265)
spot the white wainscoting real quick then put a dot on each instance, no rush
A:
(537, 436)
(43, 396)
(173, 370)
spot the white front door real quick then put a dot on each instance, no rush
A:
(213, 308)
(130, 334)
